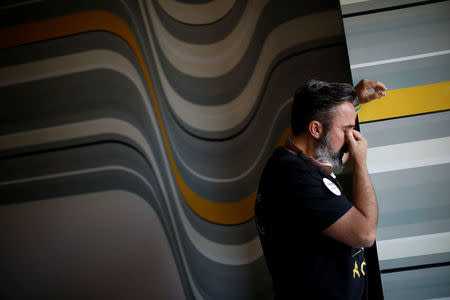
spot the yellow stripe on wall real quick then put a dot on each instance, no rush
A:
(407, 102)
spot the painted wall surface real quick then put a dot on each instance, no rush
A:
(133, 134)
(406, 44)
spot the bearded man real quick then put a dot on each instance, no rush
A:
(312, 236)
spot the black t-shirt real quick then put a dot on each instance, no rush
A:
(296, 201)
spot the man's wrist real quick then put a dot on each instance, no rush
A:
(360, 164)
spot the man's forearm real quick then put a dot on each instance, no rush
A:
(364, 198)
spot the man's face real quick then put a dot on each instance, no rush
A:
(331, 146)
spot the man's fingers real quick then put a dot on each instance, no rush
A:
(363, 89)
(380, 85)
(372, 96)
(354, 136)
(357, 135)
(349, 136)
(380, 93)
(373, 84)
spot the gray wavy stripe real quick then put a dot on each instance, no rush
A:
(68, 45)
(202, 34)
(210, 91)
(121, 102)
(76, 159)
(251, 281)
(417, 284)
(86, 246)
(407, 129)
(80, 158)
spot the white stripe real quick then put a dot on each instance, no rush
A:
(405, 58)
(408, 155)
(203, 13)
(414, 246)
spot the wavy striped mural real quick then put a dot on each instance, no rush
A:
(406, 44)
(133, 134)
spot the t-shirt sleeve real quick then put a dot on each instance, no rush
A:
(317, 204)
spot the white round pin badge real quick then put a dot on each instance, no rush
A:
(332, 187)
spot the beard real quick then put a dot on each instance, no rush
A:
(325, 154)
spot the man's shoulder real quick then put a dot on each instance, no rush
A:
(286, 161)
(286, 168)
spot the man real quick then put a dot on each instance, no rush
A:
(312, 235)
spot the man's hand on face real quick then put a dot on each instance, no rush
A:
(363, 90)
(357, 146)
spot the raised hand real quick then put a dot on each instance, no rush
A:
(357, 146)
(363, 90)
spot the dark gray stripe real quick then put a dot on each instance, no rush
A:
(414, 261)
(251, 281)
(78, 159)
(408, 129)
(407, 74)
(205, 33)
(417, 284)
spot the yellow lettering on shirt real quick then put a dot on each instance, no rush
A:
(356, 271)
(362, 268)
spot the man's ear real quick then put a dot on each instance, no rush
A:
(315, 129)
